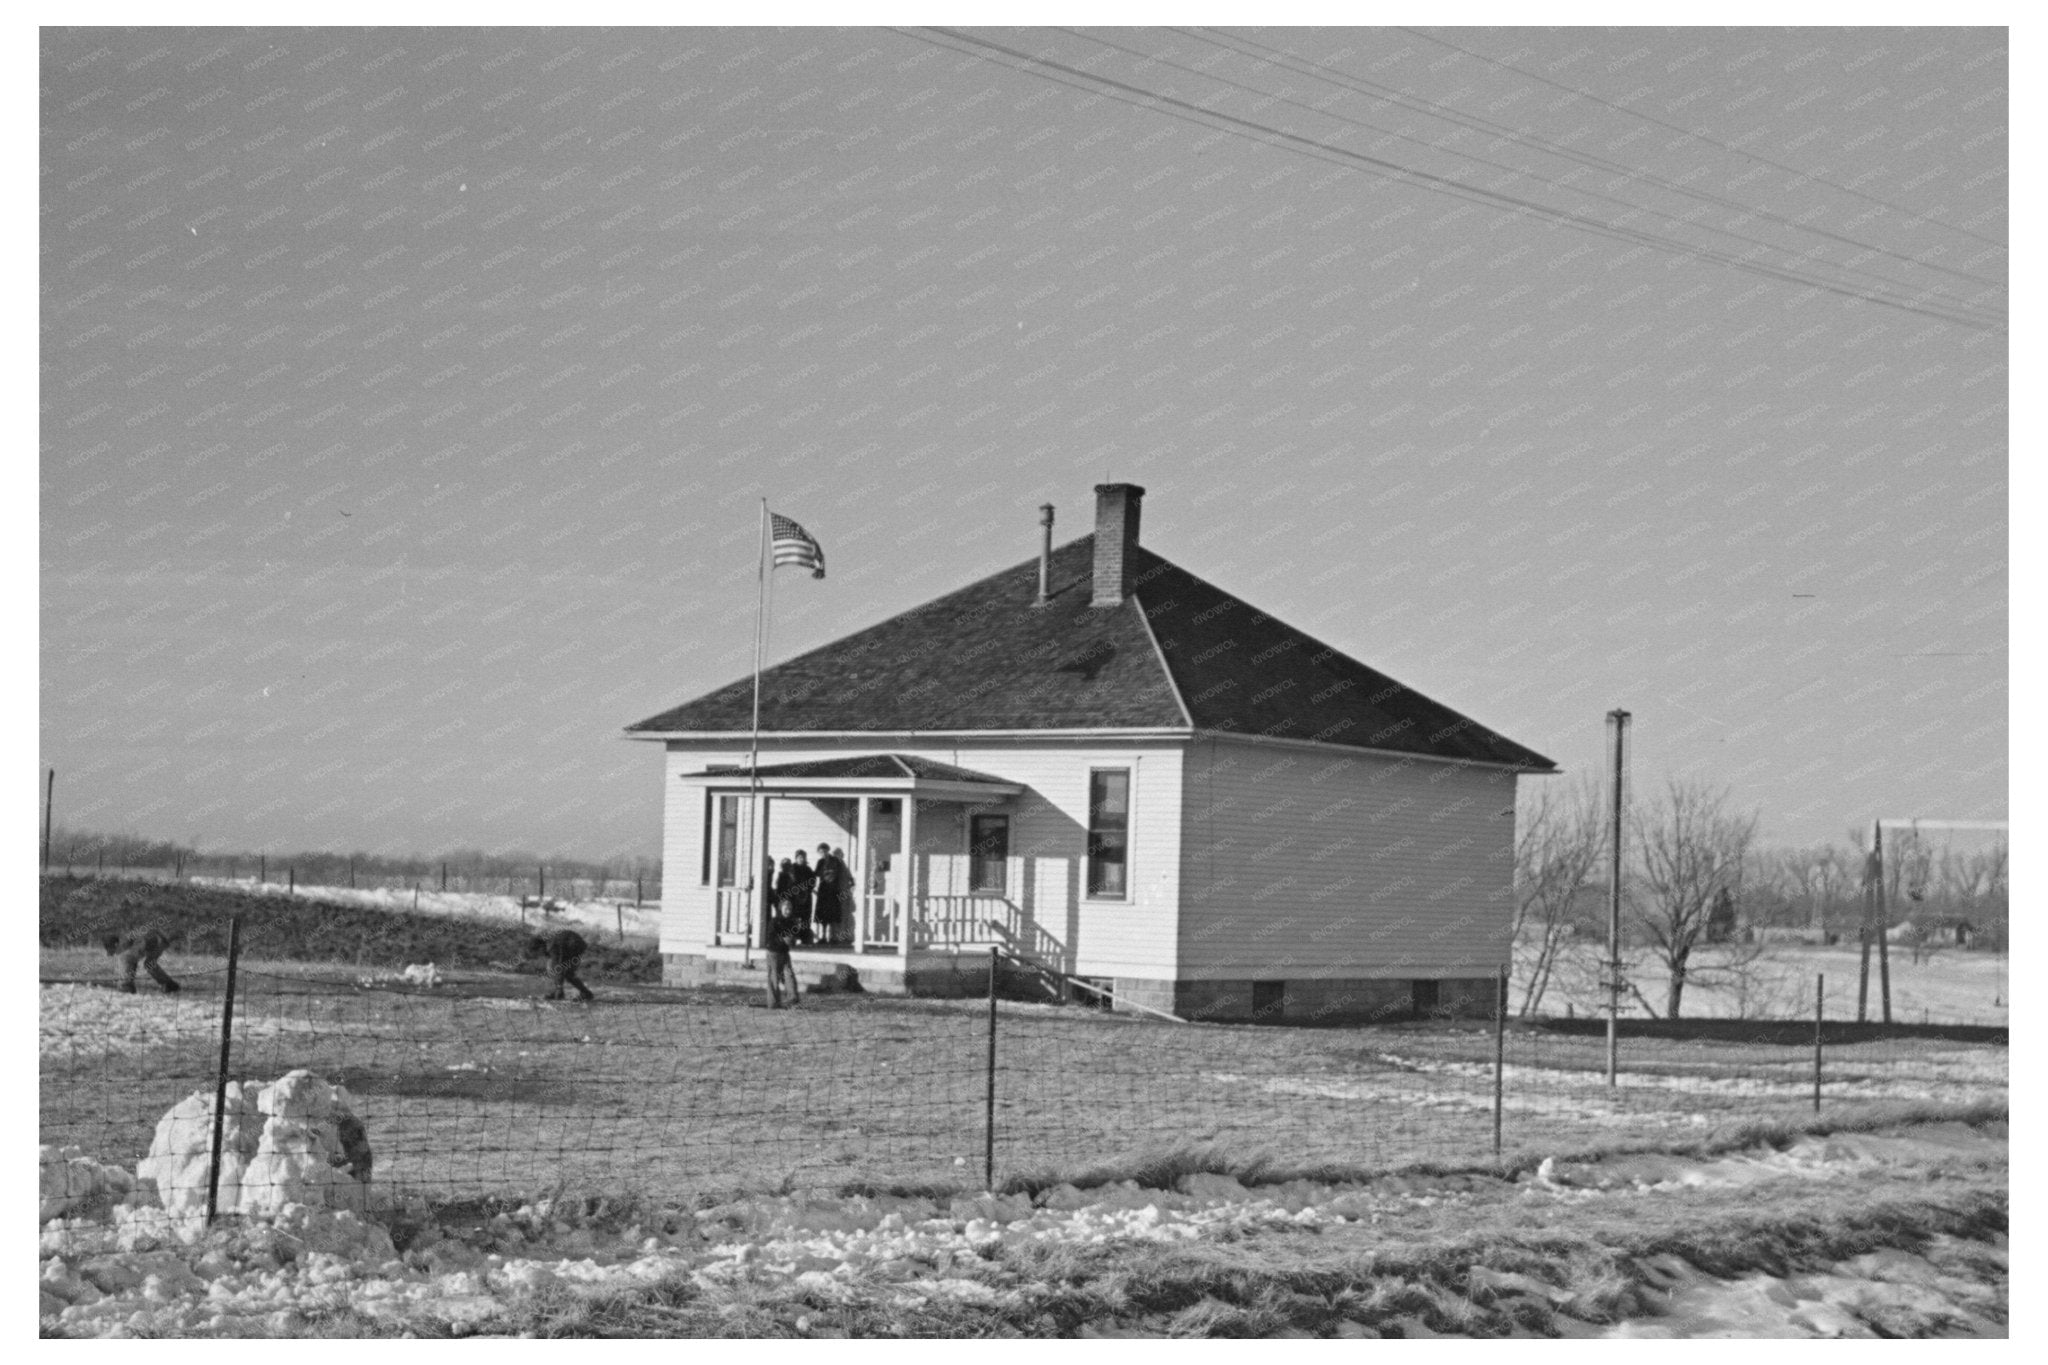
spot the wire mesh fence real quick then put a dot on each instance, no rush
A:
(527, 883)
(480, 1087)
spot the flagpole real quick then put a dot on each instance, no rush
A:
(756, 844)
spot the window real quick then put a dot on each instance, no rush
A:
(1109, 826)
(988, 853)
(728, 838)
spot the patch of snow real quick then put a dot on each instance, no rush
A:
(83, 1022)
(600, 920)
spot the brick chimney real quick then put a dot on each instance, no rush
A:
(1116, 541)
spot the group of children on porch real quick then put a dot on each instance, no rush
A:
(814, 899)
(809, 903)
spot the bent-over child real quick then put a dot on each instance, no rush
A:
(140, 948)
(563, 948)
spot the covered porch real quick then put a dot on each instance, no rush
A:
(926, 845)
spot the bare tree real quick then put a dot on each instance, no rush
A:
(1559, 838)
(1814, 881)
(1689, 848)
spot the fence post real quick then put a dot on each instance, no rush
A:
(263, 868)
(1500, 1047)
(639, 889)
(988, 1120)
(49, 805)
(220, 1080)
(291, 880)
(622, 921)
(444, 876)
(542, 870)
(1820, 983)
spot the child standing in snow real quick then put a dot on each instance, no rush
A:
(781, 935)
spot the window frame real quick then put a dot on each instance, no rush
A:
(1092, 834)
(719, 850)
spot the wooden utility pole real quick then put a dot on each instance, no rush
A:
(1884, 952)
(1870, 877)
(1618, 721)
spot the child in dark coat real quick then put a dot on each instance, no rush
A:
(139, 948)
(563, 948)
(781, 936)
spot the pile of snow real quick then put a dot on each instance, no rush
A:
(294, 1141)
(72, 1183)
(422, 974)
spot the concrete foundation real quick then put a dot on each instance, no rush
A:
(952, 975)
(1314, 1000)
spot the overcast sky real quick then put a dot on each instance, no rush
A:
(407, 396)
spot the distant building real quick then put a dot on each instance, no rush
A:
(1141, 781)
(1946, 931)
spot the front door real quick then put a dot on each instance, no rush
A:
(882, 857)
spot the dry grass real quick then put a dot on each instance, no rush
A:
(474, 1089)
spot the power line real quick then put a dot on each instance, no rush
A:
(1702, 137)
(1886, 280)
(1321, 151)
(1478, 123)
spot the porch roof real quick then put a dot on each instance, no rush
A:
(854, 774)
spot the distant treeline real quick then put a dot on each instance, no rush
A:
(516, 872)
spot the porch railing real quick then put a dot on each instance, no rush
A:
(962, 920)
(881, 920)
(735, 916)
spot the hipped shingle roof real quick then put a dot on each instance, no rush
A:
(986, 658)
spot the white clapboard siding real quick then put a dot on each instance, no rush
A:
(1313, 863)
(688, 906)
(1048, 845)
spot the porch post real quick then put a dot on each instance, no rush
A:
(909, 925)
(859, 873)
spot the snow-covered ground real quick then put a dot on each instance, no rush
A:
(1947, 986)
(131, 1275)
(599, 919)
(83, 1021)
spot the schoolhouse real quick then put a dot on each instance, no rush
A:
(1119, 773)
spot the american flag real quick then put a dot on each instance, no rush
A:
(792, 544)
